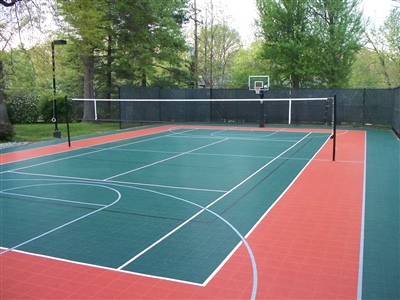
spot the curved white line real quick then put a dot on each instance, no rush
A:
(70, 222)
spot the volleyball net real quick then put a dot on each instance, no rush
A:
(316, 111)
(128, 112)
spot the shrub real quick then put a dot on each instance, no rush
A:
(23, 108)
(46, 109)
(6, 131)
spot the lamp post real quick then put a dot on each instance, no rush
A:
(56, 133)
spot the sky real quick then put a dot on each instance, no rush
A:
(244, 12)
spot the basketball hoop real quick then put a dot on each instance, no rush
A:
(257, 89)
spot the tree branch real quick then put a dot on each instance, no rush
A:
(8, 3)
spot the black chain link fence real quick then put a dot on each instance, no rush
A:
(356, 107)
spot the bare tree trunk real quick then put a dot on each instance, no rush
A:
(109, 67)
(3, 107)
(144, 79)
(109, 75)
(88, 86)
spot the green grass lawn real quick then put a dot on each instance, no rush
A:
(44, 132)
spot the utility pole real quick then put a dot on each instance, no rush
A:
(56, 133)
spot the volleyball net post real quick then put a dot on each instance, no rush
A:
(334, 121)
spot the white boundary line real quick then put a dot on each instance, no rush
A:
(211, 204)
(70, 222)
(103, 267)
(48, 198)
(265, 214)
(361, 259)
(118, 182)
(166, 159)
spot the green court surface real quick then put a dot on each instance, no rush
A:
(177, 204)
(161, 205)
(381, 264)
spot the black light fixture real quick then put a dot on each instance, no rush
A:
(56, 133)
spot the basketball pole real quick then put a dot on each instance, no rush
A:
(262, 106)
(67, 117)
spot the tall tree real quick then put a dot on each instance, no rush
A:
(131, 40)
(218, 44)
(218, 47)
(18, 20)
(385, 42)
(86, 26)
(248, 61)
(337, 25)
(149, 38)
(285, 30)
(311, 42)
(367, 71)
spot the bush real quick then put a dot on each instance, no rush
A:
(6, 131)
(23, 109)
(46, 109)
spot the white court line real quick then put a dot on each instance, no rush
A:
(48, 198)
(104, 267)
(166, 159)
(275, 132)
(233, 138)
(75, 156)
(70, 222)
(242, 238)
(83, 154)
(219, 131)
(361, 256)
(264, 215)
(119, 182)
(173, 132)
(208, 206)
(255, 138)
(272, 132)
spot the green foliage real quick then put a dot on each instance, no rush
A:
(248, 61)
(287, 41)
(385, 43)
(218, 46)
(310, 42)
(133, 43)
(157, 41)
(28, 78)
(339, 31)
(6, 131)
(369, 72)
(23, 108)
(46, 109)
(391, 30)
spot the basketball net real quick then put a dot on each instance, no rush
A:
(257, 89)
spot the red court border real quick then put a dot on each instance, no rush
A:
(307, 246)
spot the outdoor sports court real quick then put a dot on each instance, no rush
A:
(198, 212)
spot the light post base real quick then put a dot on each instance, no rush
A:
(57, 134)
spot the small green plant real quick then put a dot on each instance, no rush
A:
(6, 131)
